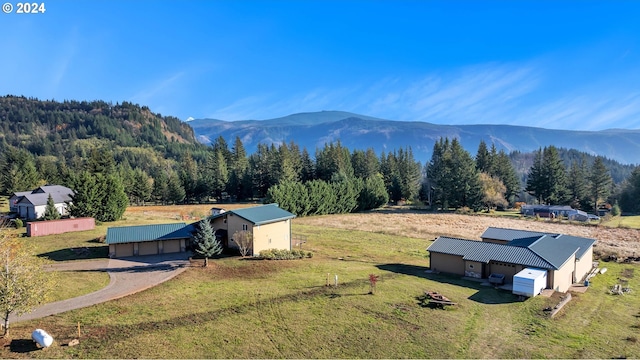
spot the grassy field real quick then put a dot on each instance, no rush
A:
(70, 284)
(283, 309)
(4, 204)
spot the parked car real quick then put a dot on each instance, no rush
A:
(594, 217)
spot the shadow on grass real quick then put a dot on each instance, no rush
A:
(484, 295)
(81, 253)
(22, 346)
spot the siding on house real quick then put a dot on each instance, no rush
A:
(447, 263)
(272, 236)
(269, 225)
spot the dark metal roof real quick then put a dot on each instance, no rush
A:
(509, 234)
(557, 250)
(142, 233)
(264, 214)
(37, 199)
(480, 251)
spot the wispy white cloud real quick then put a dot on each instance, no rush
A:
(517, 94)
(157, 93)
(467, 96)
(587, 111)
(61, 62)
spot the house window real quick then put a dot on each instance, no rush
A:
(269, 240)
(245, 227)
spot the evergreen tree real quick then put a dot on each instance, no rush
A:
(115, 201)
(238, 173)
(437, 171)
(535, 185)
(483, 158)
(332, 159)
(141, 187)
(466, 188)
(547, 177)
(86, 202)
(630, 193)
(307, 171)
(50, 212)
(175, 191)
(577, 184)
(409, 174)
(373, 194)
(599, 182)
(160, 190)
(555, 175)
(217, 173)
(259, 170)
(506, 173)
(206, 242)
(189, 177)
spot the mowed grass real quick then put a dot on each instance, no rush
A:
(630, 221)
(70, 284)
(283, 309)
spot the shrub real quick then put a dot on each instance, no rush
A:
(19, 224)
(464, 210)
(281, 254)
(615, 210)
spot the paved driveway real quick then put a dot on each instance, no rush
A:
(128, 276)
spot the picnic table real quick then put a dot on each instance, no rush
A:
(438, 299)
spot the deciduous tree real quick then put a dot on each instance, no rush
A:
(23, 283)
(244, 239)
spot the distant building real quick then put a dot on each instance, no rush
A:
(31, 205)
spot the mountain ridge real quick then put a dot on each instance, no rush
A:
(313, 129)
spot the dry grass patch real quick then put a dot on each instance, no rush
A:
(621, 241)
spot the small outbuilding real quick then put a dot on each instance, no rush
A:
(148, 239)
(529, 282)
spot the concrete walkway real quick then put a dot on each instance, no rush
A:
(128, 276)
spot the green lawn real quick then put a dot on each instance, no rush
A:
(70, 284)
(632, 222)
(282, 309)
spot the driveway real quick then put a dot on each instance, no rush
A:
(128, 276)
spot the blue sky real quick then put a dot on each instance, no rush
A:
(554, 64)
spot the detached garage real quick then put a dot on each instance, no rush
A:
(148, 239)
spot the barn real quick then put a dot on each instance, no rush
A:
(148, 239)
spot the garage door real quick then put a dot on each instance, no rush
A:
(171, 246)
(124, 250)
(148, 248)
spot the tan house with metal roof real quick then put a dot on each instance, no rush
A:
(269, 225)
(567, 259)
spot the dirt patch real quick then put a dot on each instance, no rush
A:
(623, 243)
(627, 273)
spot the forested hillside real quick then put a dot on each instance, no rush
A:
(156, 159)
(64, 128)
